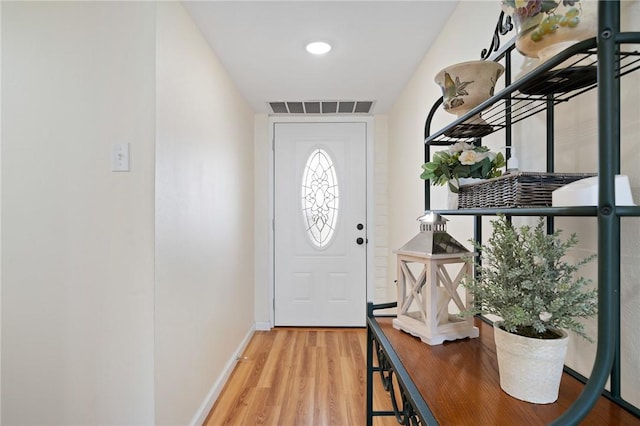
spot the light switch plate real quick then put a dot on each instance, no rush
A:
(120, 157)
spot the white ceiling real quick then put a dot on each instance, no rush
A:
(377, 46)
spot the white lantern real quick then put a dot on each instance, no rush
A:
(431, 267)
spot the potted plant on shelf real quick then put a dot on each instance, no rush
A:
(462, 160)
(524, 279)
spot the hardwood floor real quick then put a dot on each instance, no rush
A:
(300, 376)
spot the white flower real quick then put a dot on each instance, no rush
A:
(469, 157)
(482, 155)
(460, 146)
(545, 316)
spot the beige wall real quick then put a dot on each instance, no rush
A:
(380, 228)
(204, 219)
(0, 214)
(467, 32)
(125, 296)
(77, 276)
(263, 208)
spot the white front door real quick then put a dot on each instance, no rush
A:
(320, 224)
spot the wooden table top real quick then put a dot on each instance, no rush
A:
(459, 381)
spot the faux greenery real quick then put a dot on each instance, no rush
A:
(462, 160)
(524, 280)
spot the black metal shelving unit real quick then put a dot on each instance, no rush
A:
(594, 64)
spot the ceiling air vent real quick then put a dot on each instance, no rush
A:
(279, 107)
(363, 107)
(312, 107)
(295, 108)
(346, 107)
(322, 107)
(329, 107)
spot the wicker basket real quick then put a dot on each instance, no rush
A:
(522, 189)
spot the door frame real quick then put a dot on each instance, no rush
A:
(369, 147)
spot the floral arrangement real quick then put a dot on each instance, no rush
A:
(462, 160)
(523, 279)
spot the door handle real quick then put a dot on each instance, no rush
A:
(359, 241)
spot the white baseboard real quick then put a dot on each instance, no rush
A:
(202, 413)
(263, 326)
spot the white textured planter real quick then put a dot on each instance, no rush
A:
(530, 369)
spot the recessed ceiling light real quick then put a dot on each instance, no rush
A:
(318, 47)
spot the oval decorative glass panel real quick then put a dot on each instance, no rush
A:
(320, 197)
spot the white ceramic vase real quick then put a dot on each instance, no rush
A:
(530, 369)
(544, 29)
(466, 85)
(452, 200)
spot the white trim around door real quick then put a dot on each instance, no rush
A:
(369, 121)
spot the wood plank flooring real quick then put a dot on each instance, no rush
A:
(300, 376)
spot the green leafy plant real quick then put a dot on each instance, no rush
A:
(523, 279)
(462, 160)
